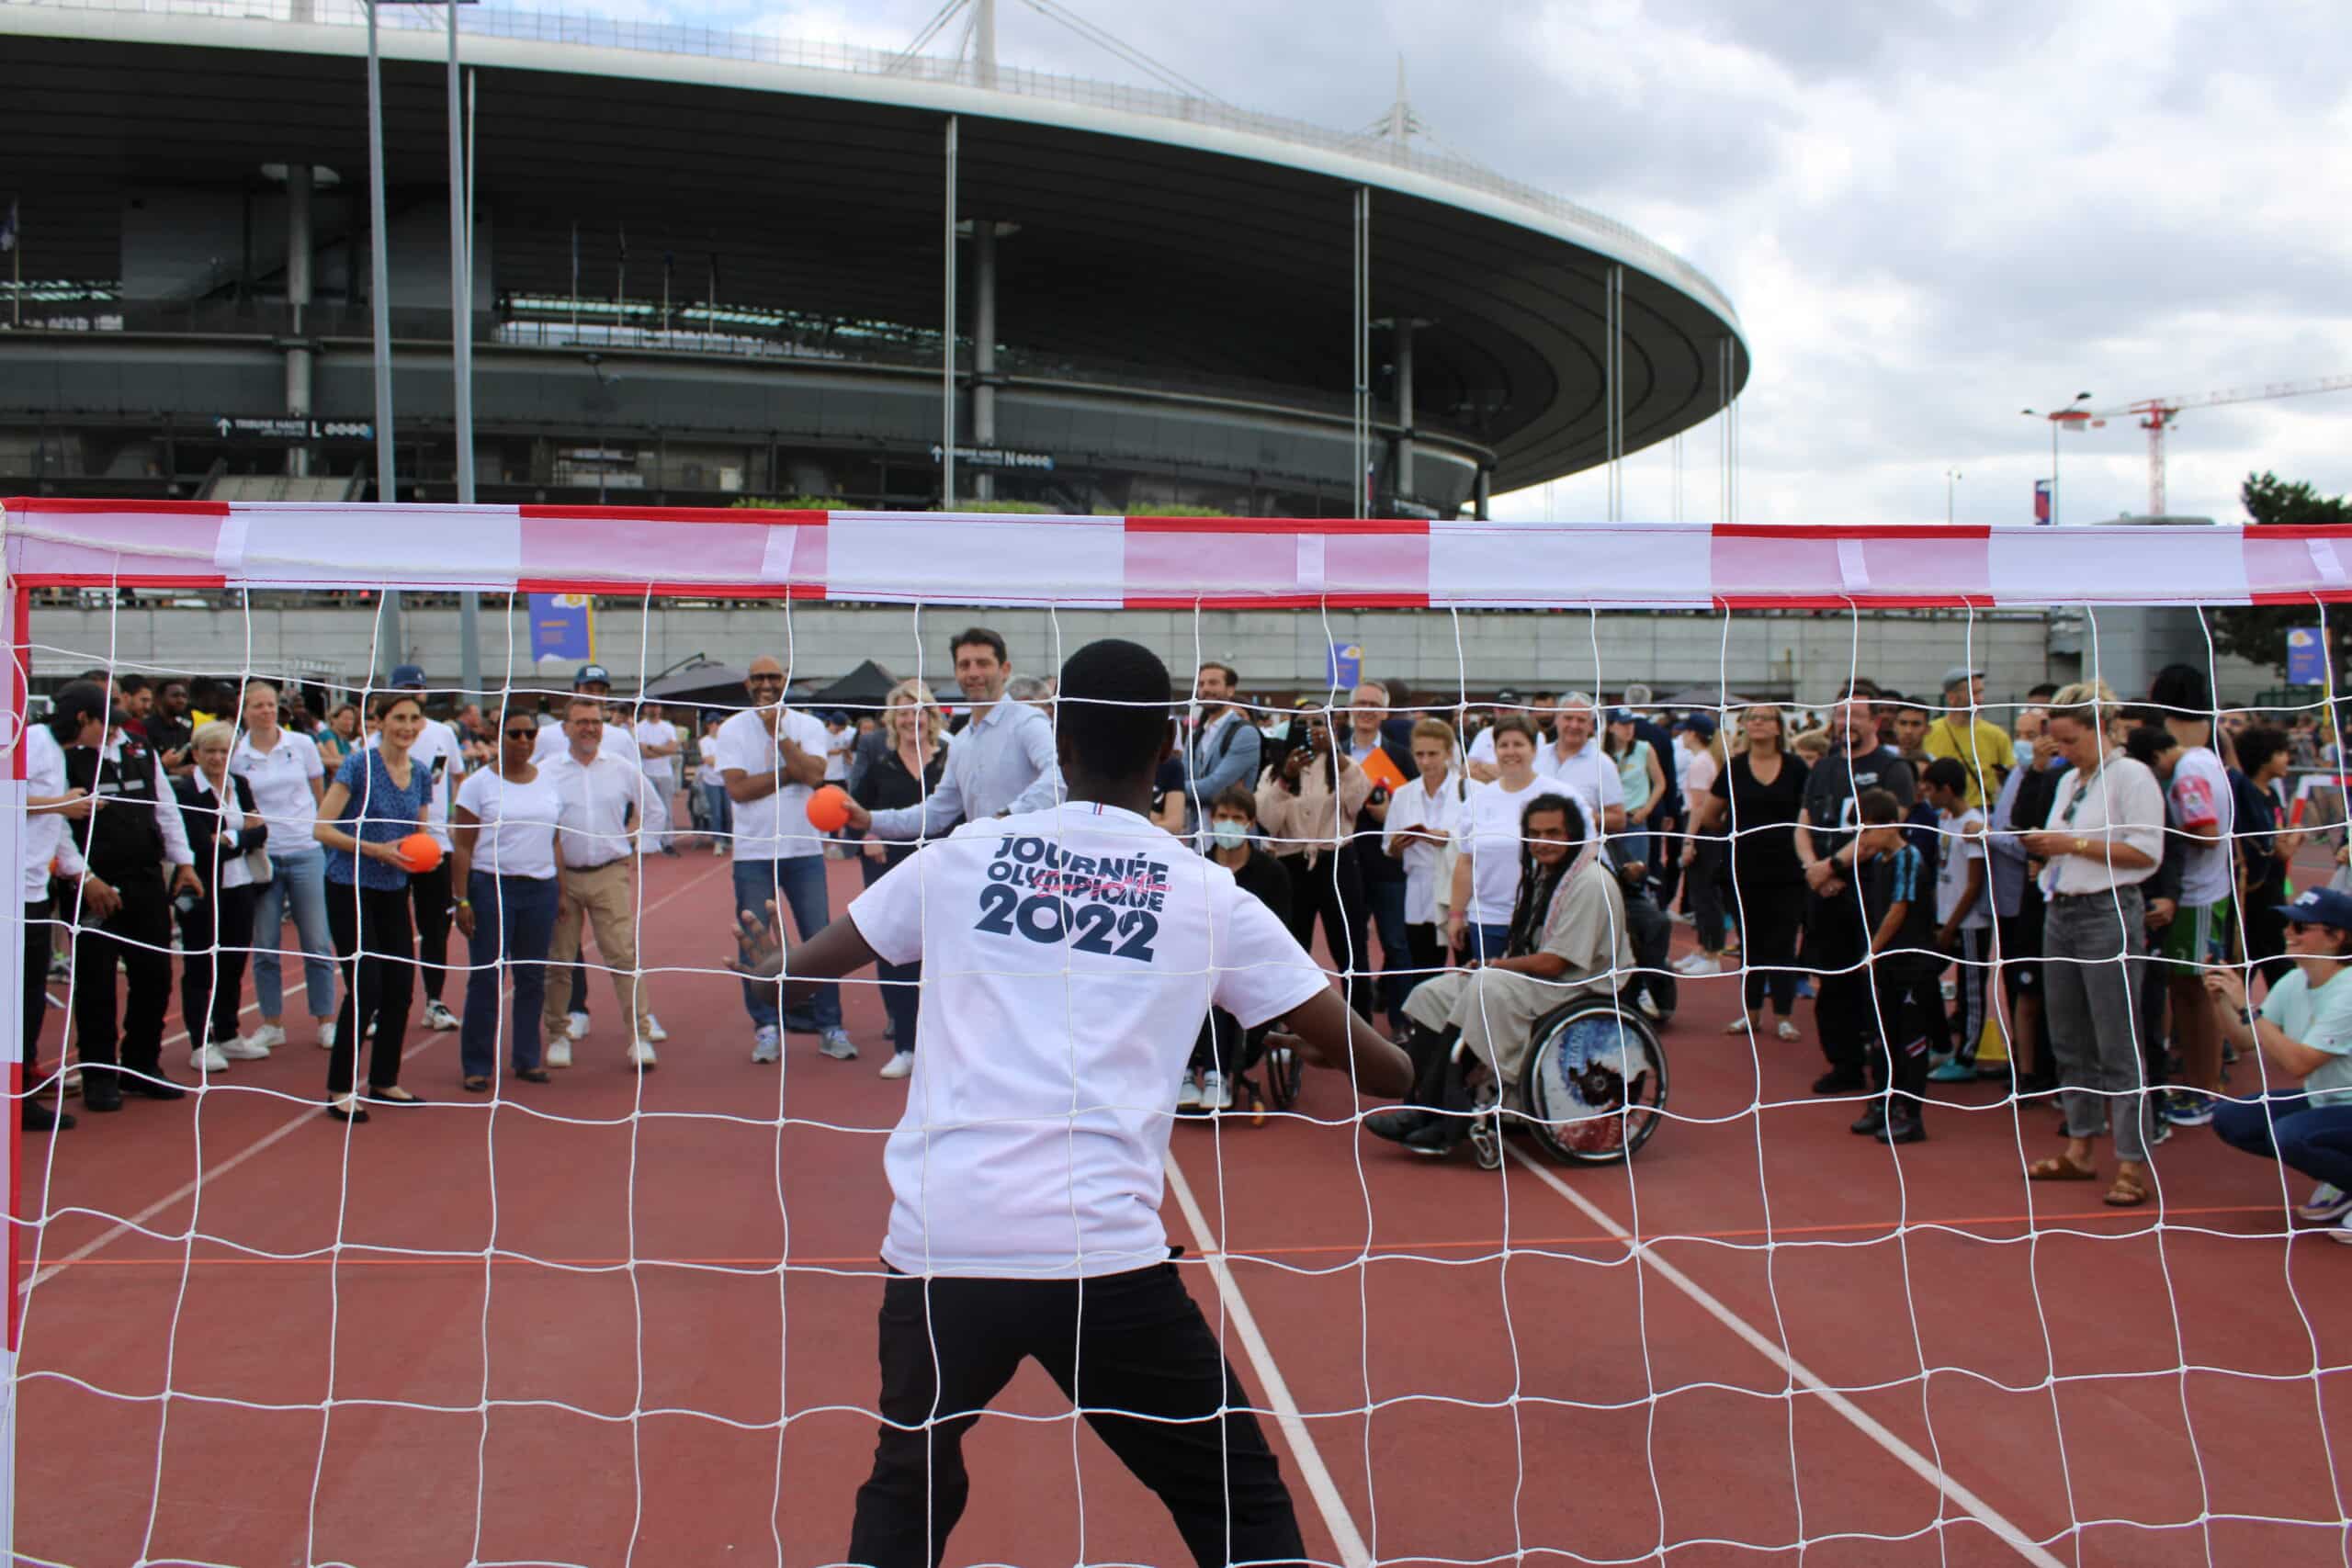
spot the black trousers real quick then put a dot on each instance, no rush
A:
(1333, 889)
(1133, 1346)
(1769, 914)
(1872, 1025)
(215, 941)
(372, 948)
(139, 937)
(433, 897)
(37, 940)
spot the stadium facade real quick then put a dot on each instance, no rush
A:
(707, 268)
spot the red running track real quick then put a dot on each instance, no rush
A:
(1485, 1371)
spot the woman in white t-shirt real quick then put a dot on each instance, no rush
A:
(1486, 879)
(503, 830)
(287, 776)
(1422, 817)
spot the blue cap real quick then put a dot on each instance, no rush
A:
(1702, 724)
(407, 678)
(591, 674)
(2320, 907)
(1621, 716)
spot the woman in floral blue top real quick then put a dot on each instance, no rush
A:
(377, 799)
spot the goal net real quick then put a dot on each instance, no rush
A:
(1855, 1151)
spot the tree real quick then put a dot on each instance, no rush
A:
(2258, 633)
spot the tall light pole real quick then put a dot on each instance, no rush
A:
(2072, 413)
(1951, 486)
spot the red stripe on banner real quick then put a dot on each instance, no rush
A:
(1282, 601)
(1855, 602)
(2322, 595)
(2340, 531)
(1865, 532)
(85, 505)
(1145, 525)
(607, 587)
(109, 580)
(17, 1284)
(764, 515)
(21, 656)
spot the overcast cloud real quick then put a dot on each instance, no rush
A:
(1929, 214)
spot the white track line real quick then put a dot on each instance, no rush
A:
(1912, 1459)
(1345, 1537)
(124, 1227)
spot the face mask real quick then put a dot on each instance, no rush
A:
(1229, 834)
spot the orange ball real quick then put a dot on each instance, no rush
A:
(420, 852)
(829, 809)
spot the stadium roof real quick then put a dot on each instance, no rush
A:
(1170, 234)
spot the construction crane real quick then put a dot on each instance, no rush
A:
(2156, 416)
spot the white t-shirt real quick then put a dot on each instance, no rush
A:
(838, 745)
(1962, 843)
(517, 836)
(1413, 807)
(1696, 772)
(1488, 830)
(45, 836)
(707, 771)
(2199, 795)
(1482, 746)
(775, 827)
(1068, 957)
(439, 751)
(280, 779)
(1591, 773)
(617, 742)
(657, 732)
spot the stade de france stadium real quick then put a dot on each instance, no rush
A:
(710, 266)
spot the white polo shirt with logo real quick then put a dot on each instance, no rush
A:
(1069, 958)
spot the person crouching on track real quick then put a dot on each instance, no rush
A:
(1870, 1009)
(1568, 939)
(132, 841)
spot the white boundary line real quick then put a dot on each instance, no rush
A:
(1327, 1501)
(1912, 1459)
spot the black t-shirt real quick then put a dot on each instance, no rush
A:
(1263, 878)
(1907, 875)
(1763, 819)
(1838, 779)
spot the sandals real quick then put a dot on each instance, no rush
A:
(2128, 1193)
(2058, 1168)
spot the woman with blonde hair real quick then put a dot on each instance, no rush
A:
(1754, 802)
(907, 772)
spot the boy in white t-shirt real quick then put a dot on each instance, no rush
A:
(2200, 811)
(1068, 957)
(1963, 907)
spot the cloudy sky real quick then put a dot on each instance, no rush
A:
(1930, 213)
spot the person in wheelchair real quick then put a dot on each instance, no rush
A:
(1569, 938)
(1226, 1050)
(1649, 928)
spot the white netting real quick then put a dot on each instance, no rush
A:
(626, 1315)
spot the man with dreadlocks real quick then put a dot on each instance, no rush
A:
(1568, 939)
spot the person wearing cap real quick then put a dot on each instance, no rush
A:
(132, 842)
(1962, 733)
(2303, 1030)
(442, 755)
(1641, 776)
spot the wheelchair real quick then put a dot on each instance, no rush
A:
(1593, 1091)
(1264, 1075)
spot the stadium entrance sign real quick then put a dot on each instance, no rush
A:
(281, 429)
(997, 458)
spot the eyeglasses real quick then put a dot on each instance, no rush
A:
(529, 732)
(764, 680)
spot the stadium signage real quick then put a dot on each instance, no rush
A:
(997, 458)
(229, 426)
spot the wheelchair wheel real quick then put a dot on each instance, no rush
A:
(1283, 1073)
(1596, 1083)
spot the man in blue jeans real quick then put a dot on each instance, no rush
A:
(772, 757)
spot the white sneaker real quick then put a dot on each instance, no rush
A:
(653, 1030)
(577, 1026)
(900, 1063)
(1649, 1007)
(837, 1045)
(2341, 1231)
(207, 1059)
(269, 1036)
(371, 1029)
(1188, 1093)
(641, 1057)
(767, 1043)
(718, 848)
(558, 1053)
(326, 1035)
(239, 1050)
(1216, 1093)
(439, 1019)
(1698, 964)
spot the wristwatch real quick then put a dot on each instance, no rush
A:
(2082, 846)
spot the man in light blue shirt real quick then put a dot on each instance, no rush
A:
(1002, 763)
(1225, 747)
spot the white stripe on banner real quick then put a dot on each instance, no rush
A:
(1648, 567)
(2120, 565)
(977, 558)
(373, 547)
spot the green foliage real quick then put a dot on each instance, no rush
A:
(795, 502)
(1035, 508)
(2259, 632)
(1172, 510)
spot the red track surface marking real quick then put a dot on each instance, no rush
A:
(1468, 1402)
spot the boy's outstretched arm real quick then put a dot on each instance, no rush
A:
(1327, 1032)
(836, 951)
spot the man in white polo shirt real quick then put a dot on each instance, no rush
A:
(1070, 956)
(773, 758)
(595, 680)
(597, 848)
(1575, 761)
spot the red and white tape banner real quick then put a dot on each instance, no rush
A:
(1159, 563)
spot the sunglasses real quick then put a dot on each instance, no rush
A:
(528, 733)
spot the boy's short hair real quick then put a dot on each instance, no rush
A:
(1234, 799)
(1946, 772)
(1878, 808)
(1114, 708)
(1435, 729)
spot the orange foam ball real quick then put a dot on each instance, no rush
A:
(829, 809)
(420, 852)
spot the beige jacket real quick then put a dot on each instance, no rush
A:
(1310, 820)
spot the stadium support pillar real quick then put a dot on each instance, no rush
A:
(461, 344)
(1404, 331)
(1486, 493)
(298, 295)
(947, 341)
(984, 347)
(379, 296)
